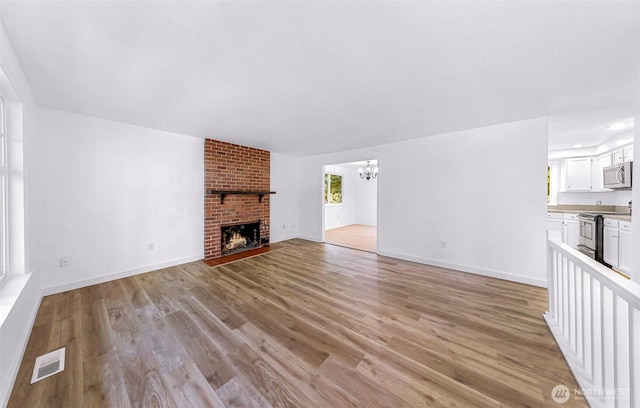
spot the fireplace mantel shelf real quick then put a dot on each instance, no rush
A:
(223, 193)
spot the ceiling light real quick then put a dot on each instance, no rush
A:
(368, 174)
(616, 126)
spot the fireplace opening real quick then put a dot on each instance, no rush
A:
(240, 237)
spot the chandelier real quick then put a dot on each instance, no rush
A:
(368, 174)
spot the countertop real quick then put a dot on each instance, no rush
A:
(606, 213)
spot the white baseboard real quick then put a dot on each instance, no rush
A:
(284, 238)
(469, 269)
(308, 238)
(14, 366)
(116, 275)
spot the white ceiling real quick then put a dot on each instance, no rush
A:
(304, 78)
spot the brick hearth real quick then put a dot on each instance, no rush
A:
(233, 167)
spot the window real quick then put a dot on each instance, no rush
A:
(3, 192)
(332, 188)
(552, 184)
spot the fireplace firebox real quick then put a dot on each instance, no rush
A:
(240, 237)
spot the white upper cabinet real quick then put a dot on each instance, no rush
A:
(623, 155)
(603, 161)
(579, 174)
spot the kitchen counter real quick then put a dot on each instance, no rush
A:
(620, 213)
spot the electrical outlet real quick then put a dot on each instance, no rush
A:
(443, 244)
(65, 261)
(284, 226)
(151, 246)
(598, 202)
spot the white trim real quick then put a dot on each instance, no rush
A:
(309, 238)
(14, 365)
(116, 275)
(457, 267)
(284, 238)
(468, 269)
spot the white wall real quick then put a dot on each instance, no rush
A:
(20, 295)
(635, 237)
(366, 193)
(107, 189)
(283, 208)
(341, 215)
(482, 191)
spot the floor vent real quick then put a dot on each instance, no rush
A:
(48, 365)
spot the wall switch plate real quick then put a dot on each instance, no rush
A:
(151, 246)
(65, 261)
(443, 244)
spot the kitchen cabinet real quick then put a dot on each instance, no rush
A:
(611, 242)
(555, 226)
(603, 161)
(624, 248)
(570, 230)
(623, 155)
(617, 245)
(579, 174)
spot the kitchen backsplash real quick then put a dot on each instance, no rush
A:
(619, 198)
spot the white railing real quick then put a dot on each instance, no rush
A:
(594, 315)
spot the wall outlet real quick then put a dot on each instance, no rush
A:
(284, 226)
(443, 244)
(151, 246)
(598, 202)
(65, 261)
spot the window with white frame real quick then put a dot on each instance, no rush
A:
(332, 188)
(3, 191)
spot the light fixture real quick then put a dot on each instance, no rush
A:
(368, 174)
(616, 126)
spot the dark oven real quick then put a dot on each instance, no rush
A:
(591, 236)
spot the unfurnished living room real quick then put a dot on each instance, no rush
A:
(319, 204)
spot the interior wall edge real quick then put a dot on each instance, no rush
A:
(18, 354)
(52, 290)
(468, 269)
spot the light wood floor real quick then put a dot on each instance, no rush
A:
(308, 325)
(356, 236)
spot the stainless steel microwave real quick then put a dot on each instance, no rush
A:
(617, 176)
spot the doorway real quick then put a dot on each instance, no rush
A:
(351, 205)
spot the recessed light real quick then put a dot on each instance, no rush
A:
(616, 126)
(577, 146)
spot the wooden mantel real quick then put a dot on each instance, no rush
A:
(223, 193)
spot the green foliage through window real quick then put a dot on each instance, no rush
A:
(332, 188)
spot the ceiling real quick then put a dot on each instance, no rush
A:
(304, 78)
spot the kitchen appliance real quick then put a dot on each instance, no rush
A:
(618, 175)
(591, 237)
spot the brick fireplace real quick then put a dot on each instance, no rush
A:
(231, 167)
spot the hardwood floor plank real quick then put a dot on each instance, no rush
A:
(362, 237)
(308, 325)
